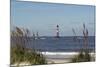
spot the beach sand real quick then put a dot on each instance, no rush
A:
(61, 57)
(57, 57)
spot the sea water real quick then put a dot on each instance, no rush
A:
(53, 44)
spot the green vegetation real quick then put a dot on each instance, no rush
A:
(82, 57)
(19, 53)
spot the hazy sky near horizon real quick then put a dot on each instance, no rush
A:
(43, 17)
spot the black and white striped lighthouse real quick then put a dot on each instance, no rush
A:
(57, 31)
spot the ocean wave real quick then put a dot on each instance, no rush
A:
(63, 53)
(59, 53)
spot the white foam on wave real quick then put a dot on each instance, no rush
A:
(59, 53)
(63, 53)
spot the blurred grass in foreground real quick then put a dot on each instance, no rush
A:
(19, 53)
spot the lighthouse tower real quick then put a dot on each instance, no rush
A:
(57, 31)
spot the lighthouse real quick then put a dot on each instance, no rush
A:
(57, 31)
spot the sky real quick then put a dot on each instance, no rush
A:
(44, 17)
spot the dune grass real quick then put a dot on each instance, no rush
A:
(82, 57)
(19, 52)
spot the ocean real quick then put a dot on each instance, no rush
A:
(53, 44)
